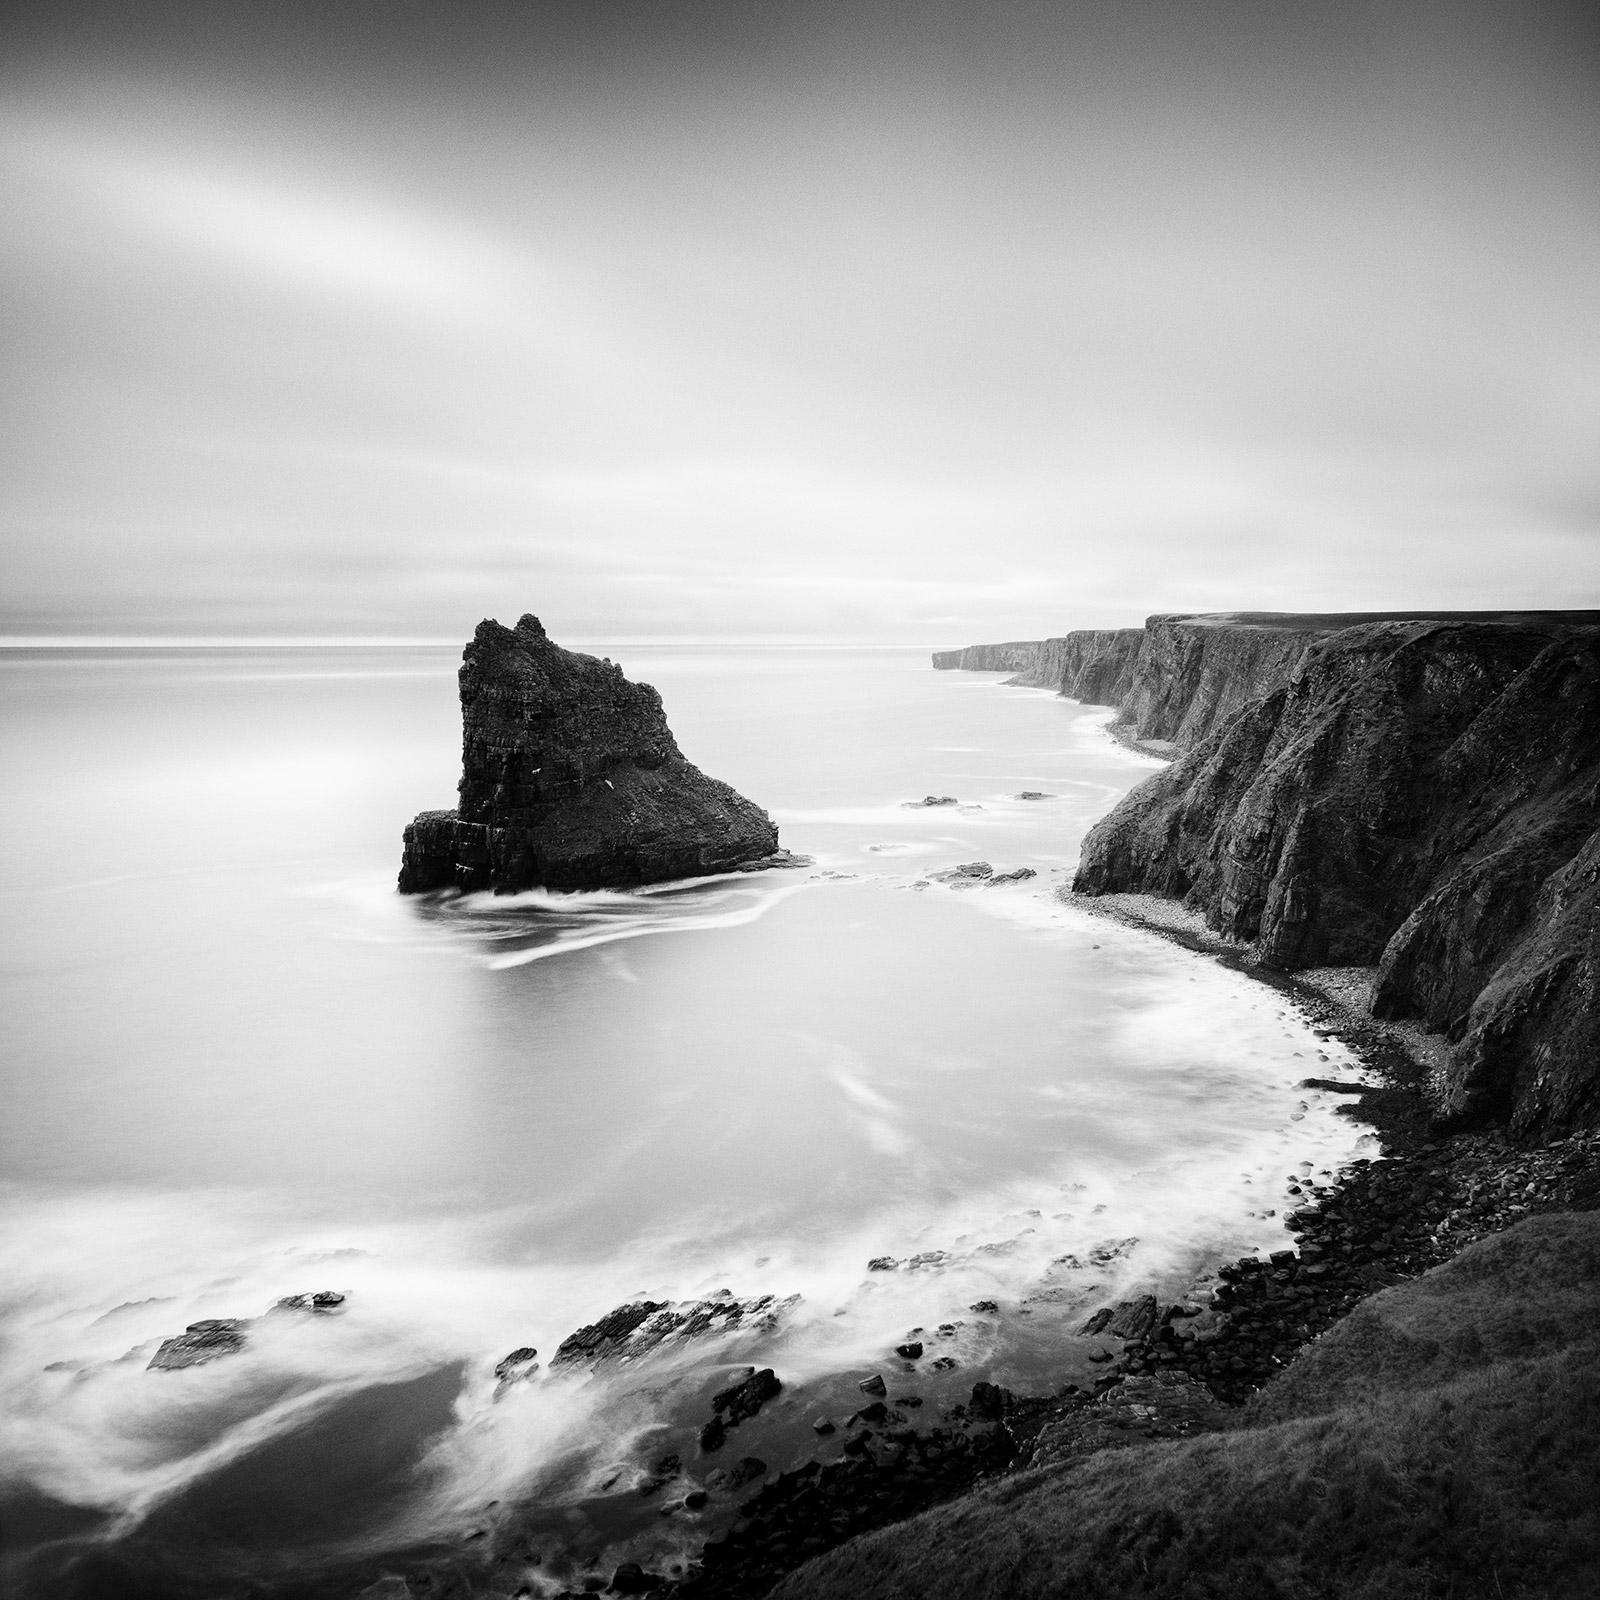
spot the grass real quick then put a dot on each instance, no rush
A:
(1446, 1446)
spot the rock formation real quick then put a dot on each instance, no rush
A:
(1418, 793)
(571, 779)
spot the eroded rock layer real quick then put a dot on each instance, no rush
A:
(571, 779)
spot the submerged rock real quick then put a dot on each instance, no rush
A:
(213, 1337)
(200, 1342)
(571, 779)
(1017, 875)
(631, 1330)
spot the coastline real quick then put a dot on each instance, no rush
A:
(1378, 1223)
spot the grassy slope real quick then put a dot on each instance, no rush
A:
(1444, 1440)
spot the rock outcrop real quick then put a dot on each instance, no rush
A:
(571, 779)
(1420, 795)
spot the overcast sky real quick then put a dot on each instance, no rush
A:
(924, 321)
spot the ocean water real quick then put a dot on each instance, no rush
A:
(237, 1067)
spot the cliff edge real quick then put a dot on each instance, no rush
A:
(571, 779)
(1419, 792)
(1424, 796)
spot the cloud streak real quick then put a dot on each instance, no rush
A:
(707, 318)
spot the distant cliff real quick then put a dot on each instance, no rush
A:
(571, 779)
(1018, 656)
(1422, 794)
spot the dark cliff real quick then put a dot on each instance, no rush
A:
(1183, 674)
(571, 779)
(1421, 795)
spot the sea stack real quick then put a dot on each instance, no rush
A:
(571, 779)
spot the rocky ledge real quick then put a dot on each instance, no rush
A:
(571, 779)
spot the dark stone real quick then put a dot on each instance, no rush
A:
(200, 1342)
(571, 779)
(933, 800)
(518, 1364)
(1020, 875)
(1133, 1319)
(601, 1338)
(988, 1401)
(746, 1470)
(984, 1306)
(745, 1399)
(911, 1350)
(713, 1435)
(323, 1300)
(873, 1385)
(631, 1578)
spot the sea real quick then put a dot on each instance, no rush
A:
(239, 1067)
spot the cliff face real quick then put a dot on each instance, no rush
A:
(1019, 656)
(1193, 672)
(1421, 795)
(571, 779)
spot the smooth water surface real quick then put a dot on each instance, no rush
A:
(238, 1066)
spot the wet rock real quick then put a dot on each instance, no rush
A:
(932, 800)
(1034, 794)
(633, 1330)
(882, 1264)
(984, 1306)
(1020, 875)
(631, 1578)
(571, 779)
(911, 1350)
(1129, 1319)
(323, 1300)
(519, 1364)
(823, 1425)
(596, 1340)
(966, 875)
(203, 1341)
(873, 1385)
(746, 1398)
(988, 1401)
(713, 1435)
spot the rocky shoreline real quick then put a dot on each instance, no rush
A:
(1193, 1365)
(1182, 1367)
